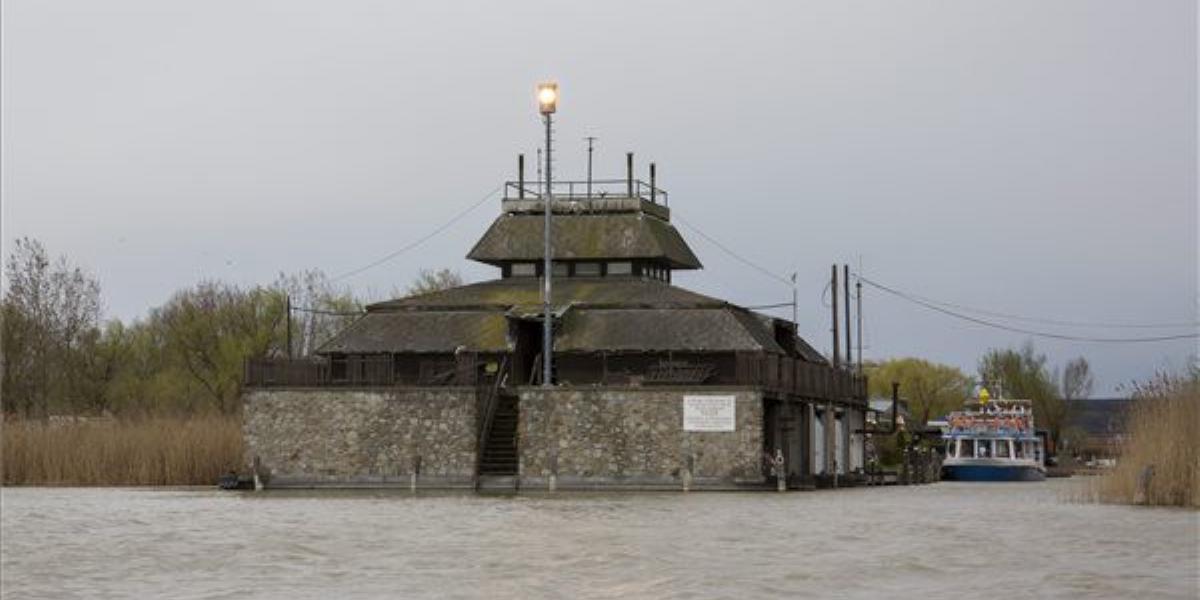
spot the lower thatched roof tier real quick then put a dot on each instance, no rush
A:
(581, 291)
(593, 315)
(422, 332)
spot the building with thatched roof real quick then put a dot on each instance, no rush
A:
(652, 386)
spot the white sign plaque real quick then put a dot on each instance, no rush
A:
(708, 413)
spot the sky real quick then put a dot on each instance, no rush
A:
(1020, 156)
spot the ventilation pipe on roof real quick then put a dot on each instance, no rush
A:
(520, 175)
(629, 173)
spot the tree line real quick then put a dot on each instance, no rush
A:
(933, 389)
(61, 357)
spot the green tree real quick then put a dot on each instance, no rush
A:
(211, 330)
(1024, 374)
(931, 389)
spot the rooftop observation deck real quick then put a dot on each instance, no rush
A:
(596, 196)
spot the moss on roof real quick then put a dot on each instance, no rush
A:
(426, 331)
(625, 236)
(583, 291)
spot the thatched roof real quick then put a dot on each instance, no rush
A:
(603, 236)
(581, 291)
(597, 314)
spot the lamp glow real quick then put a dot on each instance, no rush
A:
(547, 96)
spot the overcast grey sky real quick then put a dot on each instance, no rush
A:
(1028, 157)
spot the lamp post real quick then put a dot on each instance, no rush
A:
(547, 97)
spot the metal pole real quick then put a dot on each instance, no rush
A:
(547, 266)
(846, 289)
(653, 179)
(629, 173)
(833, 288)
(289, 325)
(590, 141)
(520, 175)
(795, 309)
(858, 329)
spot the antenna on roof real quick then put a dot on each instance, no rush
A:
(590, 140)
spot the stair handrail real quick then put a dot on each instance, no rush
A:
(489, 414)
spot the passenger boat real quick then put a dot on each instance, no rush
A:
(993, 440)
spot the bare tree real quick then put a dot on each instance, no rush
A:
(429, 280)
(319, 308)
(51, 312)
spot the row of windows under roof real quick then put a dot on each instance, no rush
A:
(564, 268)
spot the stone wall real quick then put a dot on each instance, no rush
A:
(362, 437)
(634, 437)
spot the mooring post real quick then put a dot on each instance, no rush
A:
(780, 471)
(1142, 494)
(414, 473)
(257, 466)
(689, 464)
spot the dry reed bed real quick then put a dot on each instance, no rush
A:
(1164, 434)
(157, 451)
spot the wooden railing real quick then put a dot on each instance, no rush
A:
(356, 371)
(787, 375)
(775, 373)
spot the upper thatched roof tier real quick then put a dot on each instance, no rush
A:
(517, 237)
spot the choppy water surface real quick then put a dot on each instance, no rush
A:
(950, 540)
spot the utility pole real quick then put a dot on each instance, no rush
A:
(858, 312)
(590, 140)
(833, 292)
(846, 289)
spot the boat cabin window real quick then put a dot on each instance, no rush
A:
(950, 448)
(966, 448)
(1019, 449)
(1002, 449)
(983, 449)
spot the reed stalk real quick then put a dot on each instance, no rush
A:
(1159, 464)
(106, 452)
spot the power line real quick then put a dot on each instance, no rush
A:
(735, 255)
(421, 240)
(764, 306)
(1045, 334)
(333, 313)
(1046, 321)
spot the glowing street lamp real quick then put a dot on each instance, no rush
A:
(547, 97)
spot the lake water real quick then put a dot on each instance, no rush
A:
(949, 540)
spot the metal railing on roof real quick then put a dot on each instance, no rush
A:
(584, 190)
